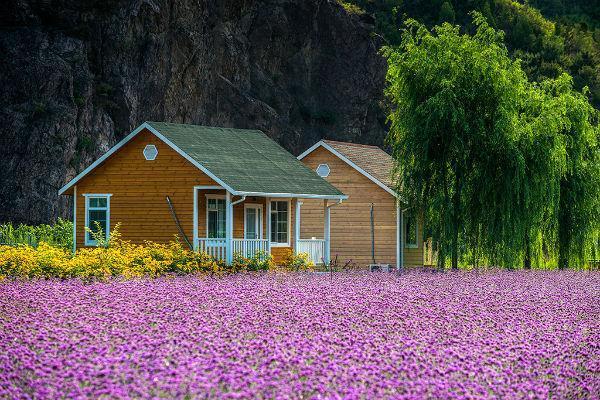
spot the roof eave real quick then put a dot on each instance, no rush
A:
(294, 195)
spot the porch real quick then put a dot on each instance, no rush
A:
(253, 224)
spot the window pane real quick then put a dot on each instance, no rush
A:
(251, 223)
(279, 221)
(216, 217)
(274, 228)
(212, 204)
(212, 224)
(97, 201)
(411, 231)
(97, 222)
(221, 231)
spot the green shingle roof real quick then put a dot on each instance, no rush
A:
(246, 160)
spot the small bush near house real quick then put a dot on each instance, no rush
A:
(261, 261)
(60, 234)
(297, 262)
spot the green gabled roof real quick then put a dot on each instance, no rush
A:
(247, 161)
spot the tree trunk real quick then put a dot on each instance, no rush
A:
(455, 246)
(456, 218)
(564, 227)
(563, 255)
(527, 259)
(441, 261)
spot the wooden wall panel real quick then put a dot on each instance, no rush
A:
(139, 189)
(350, 221)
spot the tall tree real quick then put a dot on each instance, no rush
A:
(454, 118)
(579, 206)
(503, 166)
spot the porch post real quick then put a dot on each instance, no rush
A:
(400, 240)
(399, 237)
(75, 219)
(195, 235)
(268, 219)
(297, 225)
(228, 227)
(327, 220)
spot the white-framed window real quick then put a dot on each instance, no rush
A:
(323, 170)
(253, 217)
(411, 232)
(280, 223)
(150, 152)
(97, 216)
(216, 216)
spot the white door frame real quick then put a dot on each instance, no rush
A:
(259, 221)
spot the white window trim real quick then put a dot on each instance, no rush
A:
(289, 225)
(406, 243)
(260, 210)
(220, 197)
(88, 196)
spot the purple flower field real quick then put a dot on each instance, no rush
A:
(356, 336)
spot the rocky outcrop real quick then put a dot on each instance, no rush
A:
(78, 75)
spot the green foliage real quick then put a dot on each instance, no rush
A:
(486, 152)
(568, 43)
(447, 13)
(579, 207)
(351, 8)
(260, 261)
(60, 234)
(297, 262)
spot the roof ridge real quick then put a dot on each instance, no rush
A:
(352, 144)
(181, 124)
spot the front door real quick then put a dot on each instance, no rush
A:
(253, 221)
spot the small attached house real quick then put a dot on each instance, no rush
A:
(371, 226)
(222, 190)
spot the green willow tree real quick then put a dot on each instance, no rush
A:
(579, 204)
(485, 151)
(455, 116)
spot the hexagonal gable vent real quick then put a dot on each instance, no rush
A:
(323, 170)
(150, 152)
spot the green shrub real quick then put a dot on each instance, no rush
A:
(59, 235)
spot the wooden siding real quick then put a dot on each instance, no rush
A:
(139, 188)
(350, 221)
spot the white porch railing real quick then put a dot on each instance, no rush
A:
(314, 247)
(249, 247)
(216, 248)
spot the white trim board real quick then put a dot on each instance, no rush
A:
(349, 162)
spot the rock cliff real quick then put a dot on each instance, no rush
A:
(78, 75)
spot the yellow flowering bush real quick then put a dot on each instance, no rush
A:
(297, 262)
(118, 258)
